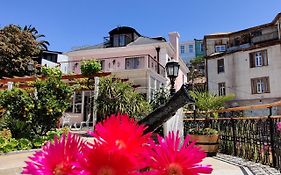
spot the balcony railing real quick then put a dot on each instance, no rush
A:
(252, 138)
(265, 37)
(156, 66)
(132, 62)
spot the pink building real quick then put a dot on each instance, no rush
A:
(128, 54)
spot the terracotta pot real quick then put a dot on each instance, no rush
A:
(208, 143)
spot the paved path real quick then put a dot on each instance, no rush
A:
(12, 164)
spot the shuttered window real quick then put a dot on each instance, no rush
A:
(220, 65)
(258, 59)
(260, 85)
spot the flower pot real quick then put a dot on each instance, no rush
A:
(208, 143)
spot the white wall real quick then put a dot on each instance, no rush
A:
(63, 66)
(238, 74)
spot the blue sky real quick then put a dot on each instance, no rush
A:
(70, 23)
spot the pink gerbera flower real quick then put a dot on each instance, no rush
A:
(169, 158)
(119, 132)
(100, 161)
(58, 158)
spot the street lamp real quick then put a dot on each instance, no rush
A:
(30, 66)
(172, 68)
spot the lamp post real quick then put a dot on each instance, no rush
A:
(172, 69)
(30, 67)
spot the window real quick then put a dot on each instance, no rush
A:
(221, 89)
(133, 63)
(220, 64)
(260, 85)
(182, 49)
(77, 102)
(258, 59)
(220, 48)
(102, 62)
(119, 40)
(201, 47)
(190, 48)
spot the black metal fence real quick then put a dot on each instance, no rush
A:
(252, 138)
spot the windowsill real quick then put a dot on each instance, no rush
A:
(260, 93)
(258, 66)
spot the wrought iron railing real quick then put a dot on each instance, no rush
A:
(253, 138)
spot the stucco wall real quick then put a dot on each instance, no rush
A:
(210, 44)
(238, 74)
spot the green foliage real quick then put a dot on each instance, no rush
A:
(197, 60)
(29, 113)
(8, 144)
(160, 97)
(202, 131)
(54, 72)
(6, 134)
(24, 144)
(90, 67)
(209, 102)
(117, 96)
(51, 99)
(17, 116)
(18, 47)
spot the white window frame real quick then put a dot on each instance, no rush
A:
(258, 59)
(182, 49)
(222, 90)
(220, 48)
(260, 86)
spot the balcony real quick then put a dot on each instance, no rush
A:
(132, 62)
(265, 37)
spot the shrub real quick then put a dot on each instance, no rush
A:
(32, 112)
(90, 67)
(117, 96)
(202, 131)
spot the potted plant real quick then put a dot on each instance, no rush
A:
(207, 103)
(90, 67)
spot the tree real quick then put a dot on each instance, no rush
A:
(116, 96)
(43, 44)
(208, 102)
(160, 98)
(196, 68)
(35, 111)
(18, 47)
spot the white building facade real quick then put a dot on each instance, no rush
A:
(246, 63)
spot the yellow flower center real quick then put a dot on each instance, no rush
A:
(59, 170)
(174, 169)
(120, 144)
(105, 171)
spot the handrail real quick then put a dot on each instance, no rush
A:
(235, 118)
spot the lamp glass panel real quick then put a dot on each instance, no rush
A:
(170, 71)
(176, 70)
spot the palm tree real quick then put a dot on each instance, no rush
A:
(43, 44)
(208, 102)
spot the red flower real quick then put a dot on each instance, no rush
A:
(100, 161)
(169, 158)
(119, 132)
(58, 158)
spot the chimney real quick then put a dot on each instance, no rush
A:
(174, 40)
